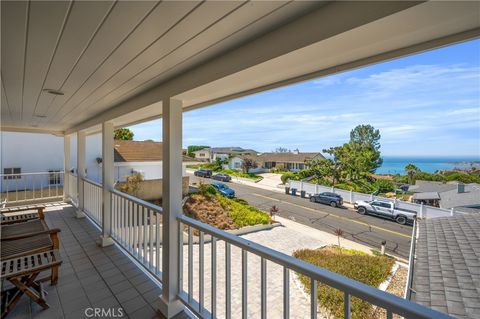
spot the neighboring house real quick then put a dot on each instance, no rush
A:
(33, 153)
(290, 161)
(446, 273)
(131, 157)
(460, 197)
(211, 154)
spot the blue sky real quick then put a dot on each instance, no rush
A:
(424, 105)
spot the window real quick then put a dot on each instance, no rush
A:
(54, 177)
(201, 154)
(16, 170)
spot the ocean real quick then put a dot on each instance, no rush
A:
(396, 164)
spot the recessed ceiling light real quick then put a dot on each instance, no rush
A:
(40, 116)
(53, 91)
(34, 125)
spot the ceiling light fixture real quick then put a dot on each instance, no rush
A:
(53, 91)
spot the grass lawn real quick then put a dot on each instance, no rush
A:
(370, 270)
(224, 213)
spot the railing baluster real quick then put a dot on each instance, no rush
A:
(124, 222)
(33, 186)
(135, 229)
(130, 228)
(286, 293)
(145, 230)
(150, 234)
(201, 274)
(346, 306)
(190, 265)
(313, 298)
(157, 244)
(263, 289)
(139, 231)
(244, 284)
(214, 277)
(228, 282)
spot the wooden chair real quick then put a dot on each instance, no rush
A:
(12, 215)
(28, 238)
(22, 272)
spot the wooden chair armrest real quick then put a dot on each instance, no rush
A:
(52, 232)
(40, 210)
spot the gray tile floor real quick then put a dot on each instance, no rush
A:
(92, 277)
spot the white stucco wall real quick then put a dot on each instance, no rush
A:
(31, 152)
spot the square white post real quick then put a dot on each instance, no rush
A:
(170, 305)
(66, 168)
(81, 141)
(107, 183)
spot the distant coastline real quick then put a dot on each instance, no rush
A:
(396, 164)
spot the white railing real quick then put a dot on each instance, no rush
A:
(137, 227)
(26, 187)
(423, 211)
(411, 263)
(72, 192)
(221, 249)
(93, 199)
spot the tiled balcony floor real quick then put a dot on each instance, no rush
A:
(91, 277)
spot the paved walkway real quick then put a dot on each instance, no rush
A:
(283, 239)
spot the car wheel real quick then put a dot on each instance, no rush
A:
(312, 199)
(333, 204)
(362, 210)
(402, 220)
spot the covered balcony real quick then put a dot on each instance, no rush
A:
(78, 68)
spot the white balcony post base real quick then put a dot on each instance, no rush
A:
(80, 214)
(170, 309)
(104, 241)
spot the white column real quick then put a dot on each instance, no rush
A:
(108, 173)
(66, 168)
(81, 141)
(170, 305)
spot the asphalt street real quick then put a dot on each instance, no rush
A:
(364, 229)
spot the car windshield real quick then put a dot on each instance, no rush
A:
(221, 186)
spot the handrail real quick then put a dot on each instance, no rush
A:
(411, 262)
(35, 173)
(153, 207)
(92, 182)
(373, 295)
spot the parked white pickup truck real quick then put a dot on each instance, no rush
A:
(385, 209)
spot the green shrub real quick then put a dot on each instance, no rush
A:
(289, 175)
(243, 214)
(207, 190)
(370, 270)
(384, 186)
(241, 201)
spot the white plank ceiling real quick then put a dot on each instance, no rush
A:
(100, 52)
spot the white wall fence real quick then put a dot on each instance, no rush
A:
(423, 211)
(27, 187)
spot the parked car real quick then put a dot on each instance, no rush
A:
(328, 198)
(224, 189)
(203, 173)
(385, 209)
(222, 177)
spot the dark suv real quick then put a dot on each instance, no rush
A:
(328, 198)
(203, 173)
